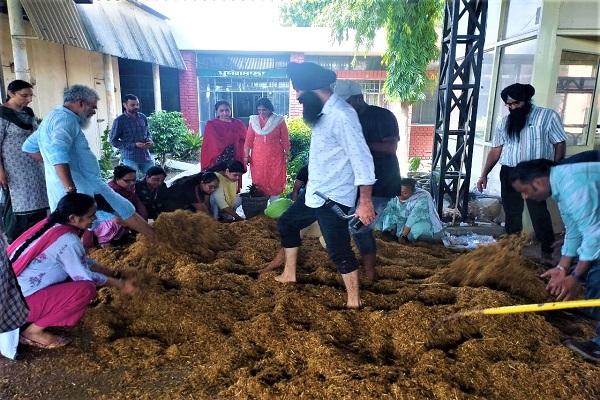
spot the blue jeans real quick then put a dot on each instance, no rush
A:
(363, 237)
(592, 291)
(140, 167)
(334, 230)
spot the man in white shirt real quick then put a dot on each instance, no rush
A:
(339, 162)
(527, 133)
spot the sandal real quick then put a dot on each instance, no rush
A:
(59, 342)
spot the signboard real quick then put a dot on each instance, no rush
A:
(219, 73)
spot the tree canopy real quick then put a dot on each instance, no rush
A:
(410, 27)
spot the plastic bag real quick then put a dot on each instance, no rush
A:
(469, 241)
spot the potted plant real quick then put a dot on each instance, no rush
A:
(254, 201)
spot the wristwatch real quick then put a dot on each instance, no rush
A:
(70, 189)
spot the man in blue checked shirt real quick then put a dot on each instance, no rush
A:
(131, 136)
(576, 189)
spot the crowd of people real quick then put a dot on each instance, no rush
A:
(353, 169)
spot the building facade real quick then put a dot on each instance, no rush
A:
(112, 47)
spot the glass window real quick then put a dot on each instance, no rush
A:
(487, 66)
(516, 65)
(242, 94)
(523, 16)
(493, 21)
(423, 112)
(574, 97)
(373, 92)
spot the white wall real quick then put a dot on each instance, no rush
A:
(579, 14)
(54, 67)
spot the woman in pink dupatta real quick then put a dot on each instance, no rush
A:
(223, 138)
(266, 149)
(110, 228)
(56, 278)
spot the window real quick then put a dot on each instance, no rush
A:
(373, 93)
(487, 70)
(516, 65)
(242, 94)
(423, 112)
(493, 21)
(523, 16)
(574, 97)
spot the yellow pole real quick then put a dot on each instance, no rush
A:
(559, 305)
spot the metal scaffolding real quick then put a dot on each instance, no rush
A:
(463, 37)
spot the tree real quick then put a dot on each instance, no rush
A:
(410, 34)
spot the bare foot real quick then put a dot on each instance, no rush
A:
(370, 273)
(354, 306)
(283, 278)
(276, 263)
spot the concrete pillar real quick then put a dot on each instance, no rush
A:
(109, 83)
(156, 84)
(17, 33)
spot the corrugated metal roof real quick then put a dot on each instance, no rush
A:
(124, 30)
(57, 21)
(118, 28)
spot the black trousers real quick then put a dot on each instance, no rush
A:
(513, 209)
(334, 230)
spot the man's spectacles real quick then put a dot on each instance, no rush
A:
(511, 103)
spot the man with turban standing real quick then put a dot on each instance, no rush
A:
(527, 133)
(339, 163)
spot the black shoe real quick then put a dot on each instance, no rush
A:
(588, 350)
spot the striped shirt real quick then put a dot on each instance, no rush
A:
(542, 131)
(576, 189)
(339, 160)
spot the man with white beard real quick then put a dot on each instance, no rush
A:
(69, 164)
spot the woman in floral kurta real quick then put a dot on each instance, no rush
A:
(266, 148)
(21, 174)
(411, 215)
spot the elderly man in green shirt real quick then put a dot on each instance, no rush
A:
(576, 189)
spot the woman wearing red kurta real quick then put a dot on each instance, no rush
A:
(223, 138)
(266, 148)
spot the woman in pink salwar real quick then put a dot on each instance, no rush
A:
(223, 138)
(266, 148)
(56, 277)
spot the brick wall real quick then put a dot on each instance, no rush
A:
(420, 141)
(188, 91)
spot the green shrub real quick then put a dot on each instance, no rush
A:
(299, 146)
(107, 153)
(189, 148)
(168, 129)
(414, 164)
(299, 136)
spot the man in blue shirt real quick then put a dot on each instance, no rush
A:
(576, 189)
(69, 164)
(131, 136)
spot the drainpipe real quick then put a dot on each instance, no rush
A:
(17, 33)
(156, 84)
(109, 83)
